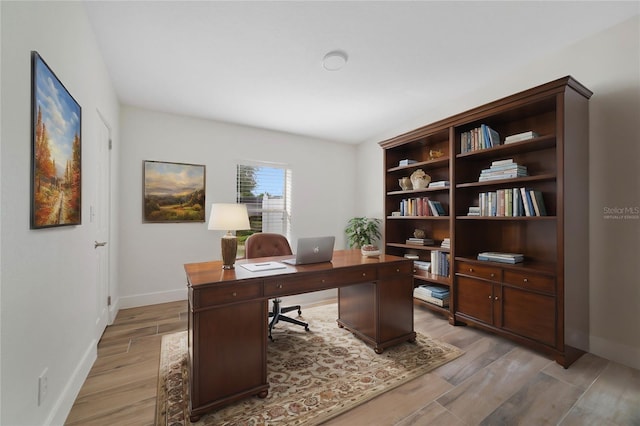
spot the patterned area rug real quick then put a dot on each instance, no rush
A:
(313, 375)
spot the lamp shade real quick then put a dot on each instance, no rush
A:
(228, 217)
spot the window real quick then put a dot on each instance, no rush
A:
(266, 190)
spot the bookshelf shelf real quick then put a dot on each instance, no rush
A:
(531, 302)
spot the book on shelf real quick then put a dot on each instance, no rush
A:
(411, 256)
(521, 137)
(419, 206)
(443, 303)
(538, 202)
(422, 265)
(482, 137)
(437, 209)
(406, 162)
(420, 241)
(437, 291)
(474, 211)
(439, 184)
(509, 202)
(440, 263)
(501, 257)
(446, 243)
(503, 169)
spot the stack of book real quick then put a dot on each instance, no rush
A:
(420, 241)
(437, 295)
(474, 211)
(446, 243)
(493, 256)
(479, 138)
(440, 263)
(503, 169)
(422, 265)
(521, 137)
(406, 162)
(439, 184)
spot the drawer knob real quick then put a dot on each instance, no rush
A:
(526, 280)
(279, 285)
(323, 281)
(364, 274)
(470, 269)
(493, 275)
(234, 294)
(398, 270)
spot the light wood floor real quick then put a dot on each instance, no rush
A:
(494, 383)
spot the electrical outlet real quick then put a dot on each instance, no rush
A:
(43, 386)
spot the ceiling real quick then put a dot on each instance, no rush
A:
(260, 63)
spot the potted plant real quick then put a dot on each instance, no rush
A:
(362, 232)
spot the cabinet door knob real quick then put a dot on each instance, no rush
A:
(526, 280)
(398, 270)
(489, 297)
(234, 294)
(495, 298)
(470, 269)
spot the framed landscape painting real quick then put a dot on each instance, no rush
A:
(173, 192)
(56, 147)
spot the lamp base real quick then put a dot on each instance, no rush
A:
(229, 246)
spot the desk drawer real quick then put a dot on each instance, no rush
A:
(395, 269)
(228, 293)
(486, 272)
(531, 281)
(291, 284)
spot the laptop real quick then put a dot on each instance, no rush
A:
(313, 250)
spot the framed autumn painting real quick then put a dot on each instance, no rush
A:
(56, 150)
(173, 192)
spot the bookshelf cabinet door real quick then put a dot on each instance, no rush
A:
(529, 314)
(475, 299)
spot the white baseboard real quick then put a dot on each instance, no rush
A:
(617, 352)
(62, 407)
(152, 298)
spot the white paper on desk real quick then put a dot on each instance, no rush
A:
(263, 266)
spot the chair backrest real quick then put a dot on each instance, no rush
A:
(265, 244)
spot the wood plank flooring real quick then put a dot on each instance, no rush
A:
(494, 383)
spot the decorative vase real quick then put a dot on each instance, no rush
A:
(419, 179)
(405, 183)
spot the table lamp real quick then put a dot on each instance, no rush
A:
(228, 217)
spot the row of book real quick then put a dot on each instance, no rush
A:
(438, 295)
(503, 169)
(439, 263)
(482, 137)
(421, 206)
(501, 257)
(510, 202)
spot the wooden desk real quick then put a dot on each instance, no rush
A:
(228, 317)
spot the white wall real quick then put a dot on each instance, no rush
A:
(48, 305)
(152, 255)
(609, 65)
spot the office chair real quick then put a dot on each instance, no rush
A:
(265, 244)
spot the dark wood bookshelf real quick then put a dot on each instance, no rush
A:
(543, 301)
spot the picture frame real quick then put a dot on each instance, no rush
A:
(56, 150)
(173, 192)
